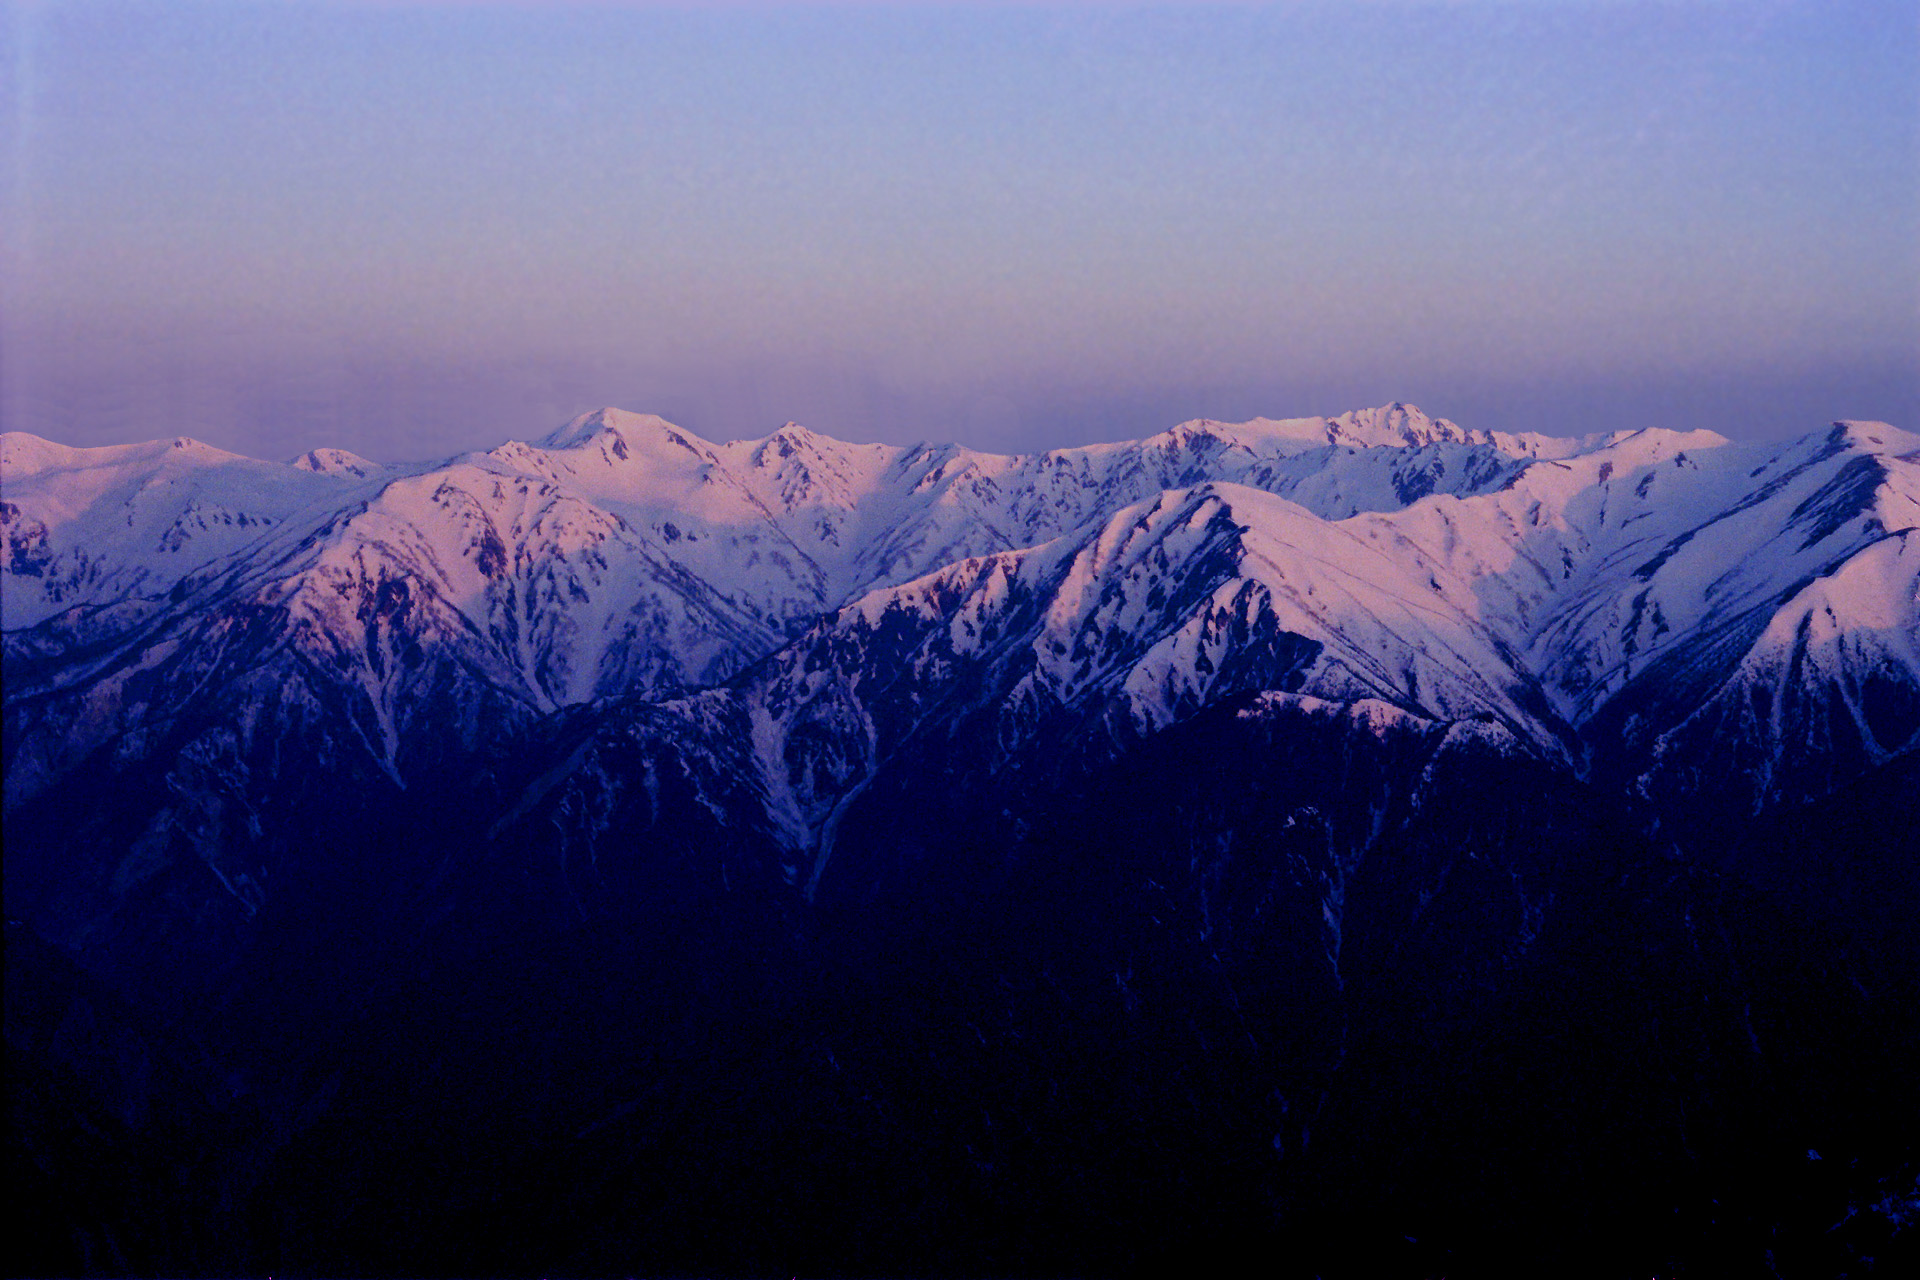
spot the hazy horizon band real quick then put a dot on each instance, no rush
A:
(407, 229)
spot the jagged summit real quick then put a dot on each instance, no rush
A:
(1394, 425)
(795, 433)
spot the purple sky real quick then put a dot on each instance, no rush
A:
(413, 228)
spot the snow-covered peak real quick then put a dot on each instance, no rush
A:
(643, 430)
(1396, 425)
(1876, 437)
(24, 454)
(1652, 443)
(794, 435)
(1204, 434)
(790, 441)
(337, 462)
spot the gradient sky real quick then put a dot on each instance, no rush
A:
(413, 228)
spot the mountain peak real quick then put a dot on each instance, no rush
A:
(789, 441)
(795, 434)
(630, 427)
(1396, 424)
(22, 452)
(336, 462)
(1881, 437)
(621, 435)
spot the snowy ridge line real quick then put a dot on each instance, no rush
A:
(1552, 586)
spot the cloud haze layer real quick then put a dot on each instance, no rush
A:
(412, 228)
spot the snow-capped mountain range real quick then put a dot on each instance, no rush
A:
(1600, 599)
(1064, 845)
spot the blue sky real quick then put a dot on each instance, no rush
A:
(410, 228)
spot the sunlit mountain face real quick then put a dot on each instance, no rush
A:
(1397, 848)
